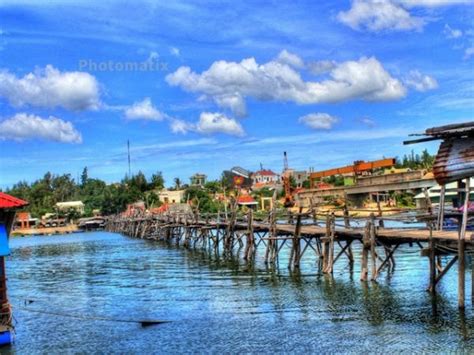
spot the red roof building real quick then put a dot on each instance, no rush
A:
(265, 177)
(246, 200)
(8, 201)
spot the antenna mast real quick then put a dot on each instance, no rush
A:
(129, 169)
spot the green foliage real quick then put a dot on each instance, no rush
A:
(416, 161)
(157, 181)
(203, 198)
(263, 192)
(43, 194)
(213, 186)
(335, 180)
(177, 183)
(307, 184)
(404, 199)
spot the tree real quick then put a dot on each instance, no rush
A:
(138, 182)
(84, 177)
(157, 181)
(177, 183)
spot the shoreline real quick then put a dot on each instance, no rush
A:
(27, 232)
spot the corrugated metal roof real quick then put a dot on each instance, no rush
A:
(457, 129)
(8, 201)
(455, 160)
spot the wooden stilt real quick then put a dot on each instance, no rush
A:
(372, 248)
(365, 252)
(461, 248)
(432, 245)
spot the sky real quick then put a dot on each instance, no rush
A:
(202, 86)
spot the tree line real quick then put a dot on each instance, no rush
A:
(44, 193)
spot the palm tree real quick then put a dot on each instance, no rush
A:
(177, 183)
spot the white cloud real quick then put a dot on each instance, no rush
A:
(23, 126)
(390, 15)
(143, 110)
(432, 3)
(153, 57)
(420, 82)
(321, 66)
(367, 121)
(51, 88)
(210, 122)
(378, 15)
(290, 59)
(318, 120)
(468, 53)
(451, 32)
(175, 51)
(180, 126)
(229, 83)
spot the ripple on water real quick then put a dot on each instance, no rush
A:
(220, 306)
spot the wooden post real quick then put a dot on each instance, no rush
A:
(461, 247)
(330, 256)
(347, 222)
(250, 243)
(441, 208)
(432, 245)
(297, 240)
(325, 243)
(365, 252)
(372, 247)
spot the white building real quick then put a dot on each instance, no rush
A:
(66, 206)
(171, 196)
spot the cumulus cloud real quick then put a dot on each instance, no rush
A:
(318, 120)
(451, 32)
(229, 83)
(290, 59)
(50, 88)
(209, 123)
(214, 122)
(378, 15)
(180, 126)
(143, 110)
(390, 15)
(23, 126)
(321, 66)
(420, 82)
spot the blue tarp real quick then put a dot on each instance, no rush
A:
(4, 249)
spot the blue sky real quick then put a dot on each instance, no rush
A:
(211, 85)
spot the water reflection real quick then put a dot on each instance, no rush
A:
(221, 305)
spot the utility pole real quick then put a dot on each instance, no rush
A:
(129, 169)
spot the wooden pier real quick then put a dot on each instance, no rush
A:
(325, 241)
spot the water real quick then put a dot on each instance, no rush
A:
(217, 307)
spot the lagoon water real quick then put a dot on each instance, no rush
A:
(219, 307)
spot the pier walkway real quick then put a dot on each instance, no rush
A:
(326, 241)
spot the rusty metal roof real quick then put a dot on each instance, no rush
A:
(455, 160)
(452, 130)
(457, 130)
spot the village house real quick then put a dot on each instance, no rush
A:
(300, 177)
(171, 196)
(78, 206)
(24, 220)
(198, 179)
(265, 177)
